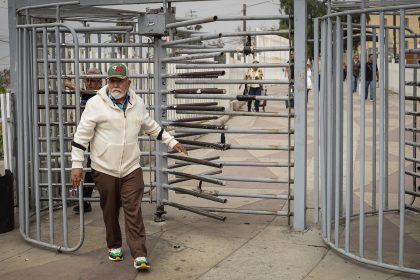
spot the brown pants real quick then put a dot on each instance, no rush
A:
(128, 193)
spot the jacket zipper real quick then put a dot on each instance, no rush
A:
(124, 142)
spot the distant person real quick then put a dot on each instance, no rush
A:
(308, 80)
(254, 73)
(289, 73)
(370, 82)
(91, 84)
(356, 72)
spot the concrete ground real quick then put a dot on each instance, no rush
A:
(189, 246)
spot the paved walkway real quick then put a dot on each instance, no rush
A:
(188, 246)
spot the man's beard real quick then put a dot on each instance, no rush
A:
(117, 94)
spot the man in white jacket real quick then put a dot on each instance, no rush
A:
(111, 123)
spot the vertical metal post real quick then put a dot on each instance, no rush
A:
(338, 127)
(316, 121)
(300, 18)
(382, 171)
(386, 80)
(244, 26)
(329, 127)
(415, 165)
(362, 136)
(36, 133)
(160, 116)
(323, 126)
(19, 133)
(401, 166)
(48, 133)
(373, 95)
(349, 161)
(25, 116)
(61, 136)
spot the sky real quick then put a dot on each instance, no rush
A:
(196, 9)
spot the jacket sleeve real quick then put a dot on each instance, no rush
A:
(152, 128)
(83, 135)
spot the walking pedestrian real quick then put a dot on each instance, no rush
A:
(111, 123)
(254, 73)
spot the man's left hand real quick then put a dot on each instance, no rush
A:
(180, 148)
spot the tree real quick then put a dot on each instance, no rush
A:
(315, 9)
(4, 80)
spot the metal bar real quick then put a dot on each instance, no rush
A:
(338, 94)
(204, 178)
(316, 123)
(46, 5)
(268, 17)
(362, 139)
(195, 193)
(386, 124)
(227, 66)
(160, 114)
(191, 22)
(255, 164)
(373, 95)
(191, 57)
(227, 82)
(195, 160)
(401, 163)
(382, 171)
(236, 131)
(249, 179)
(194, 210)
(349, 161)
(329, 107)
(230, 97)
(191, 40)
(235, 113)
(263, 196)
(233, 49)
(371, 10)
(244, 211)
(48, 136)
(61, 133)
(36, 135)
(25, 101)
(92, 60)
(323, 127)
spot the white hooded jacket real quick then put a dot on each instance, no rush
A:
(113, 134)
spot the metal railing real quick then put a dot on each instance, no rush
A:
(360, 228)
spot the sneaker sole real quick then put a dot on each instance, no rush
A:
(143, 267)
(117, 259)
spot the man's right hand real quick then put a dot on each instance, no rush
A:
(76, 177)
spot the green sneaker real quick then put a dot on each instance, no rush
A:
(115, 254)
(141, 263)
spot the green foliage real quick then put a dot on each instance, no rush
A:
(315, 9)
(4, 80)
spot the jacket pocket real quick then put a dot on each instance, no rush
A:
(131, 155)
(107, 156)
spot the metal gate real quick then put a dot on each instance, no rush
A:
(186, 84)
(368, 199)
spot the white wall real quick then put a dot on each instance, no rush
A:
(394, 78)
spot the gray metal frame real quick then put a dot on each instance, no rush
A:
(339, 217)
(47, 114)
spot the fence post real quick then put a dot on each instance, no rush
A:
(299, 207)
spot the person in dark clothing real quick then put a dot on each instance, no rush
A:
(356, 72)
(92, 84)
(370, 84)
